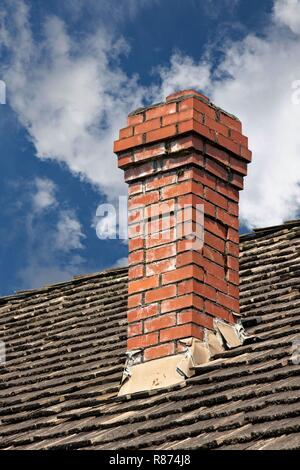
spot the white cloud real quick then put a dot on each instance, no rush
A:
(183, 73)
(44, 195)
(68, 235)
(71, 97)
(254, 81)
(287, 12)
(54, 239)
(121, 263)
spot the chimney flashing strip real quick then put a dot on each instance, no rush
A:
(173, 370)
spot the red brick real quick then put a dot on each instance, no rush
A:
(136, 230)
(205, 178)
(135, 272)
(143, 199)
(142, 341)
(233, 208)
(160, 181)
(214, 198)
(233, 235)
(135, 119)
(143, 284)
(189, 257)
(198, 105)
(233, 263)
(214, 242)
(233, 277)
(180, 274)
(228, 219)
(186, 142)
(161, 237)
(124, 160)
(155, 210)
(231, 122)
(147, 126)
(233, 291)
(137, 171)
(161, 293)
(229, 302)
(216, 283)
(229, 144)
(134, 300)
(217, 311)
(186, 287)
(158, 111)
(189, 199)
(214, 269)
(217, 154)
(193, 126)
(161, 252)
(134, 329)
(141, 313)
(163, 350)
(238, 165)
(228, 191)
(135, 244)
(182, 331)
(217, 126)
(149, 152)
(214, 227)
(208, 292)
(135, 189)
(160, 266)
(162, 133)
(232, 249)
(136, 257)
(246, 153)
(163, 321)
(193, 316)
(126, 132)
(135, 215)
(128, 143)
(179, 303)
(213, 255)
(178, 117)
(237, 180)
(217, 170)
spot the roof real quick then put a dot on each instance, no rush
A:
(66, 352)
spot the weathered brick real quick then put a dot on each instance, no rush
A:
(163, 350)
(158, 323)
(182, 331)
(142, 341)
(142, 312)
(143, 284)
(161, 293)
(134, 329)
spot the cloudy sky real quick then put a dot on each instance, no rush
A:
(74, 69)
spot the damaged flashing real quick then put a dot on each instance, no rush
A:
(174, 370)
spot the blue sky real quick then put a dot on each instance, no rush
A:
(74, 69)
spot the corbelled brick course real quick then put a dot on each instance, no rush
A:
(177, 155)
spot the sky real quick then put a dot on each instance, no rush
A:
(73, 70)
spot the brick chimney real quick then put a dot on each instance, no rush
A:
(184, 162)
